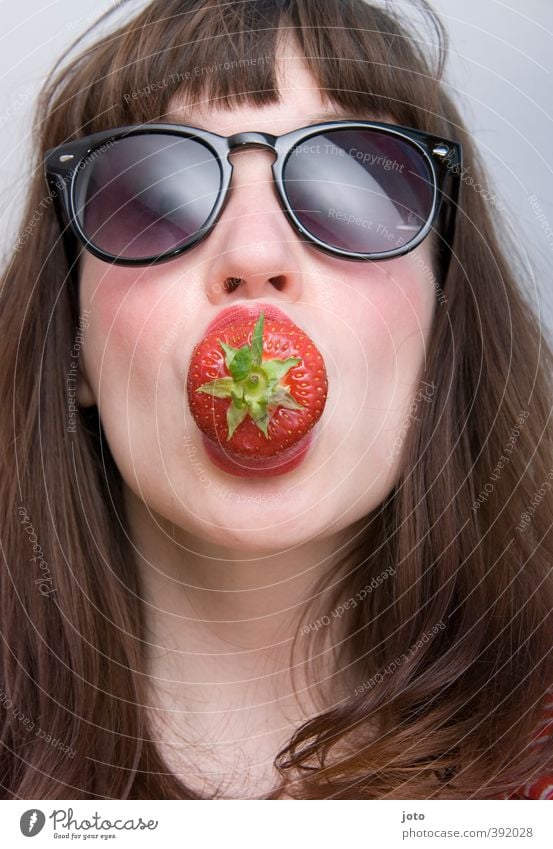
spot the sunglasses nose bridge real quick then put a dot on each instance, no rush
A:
(239, 140)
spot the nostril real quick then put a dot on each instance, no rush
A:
(232, 283)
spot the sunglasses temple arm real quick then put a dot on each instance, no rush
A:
(69, 240)
(450, 199)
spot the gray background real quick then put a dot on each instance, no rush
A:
(500, 68)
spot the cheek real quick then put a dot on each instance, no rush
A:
(134, 323)
(388, 317)
(129, 322)
(391, 315)
(402, 317)
(125, 311)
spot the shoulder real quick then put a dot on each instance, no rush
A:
(542, 786)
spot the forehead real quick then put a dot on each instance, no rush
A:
(301, 102)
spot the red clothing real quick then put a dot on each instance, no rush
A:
(542, 787)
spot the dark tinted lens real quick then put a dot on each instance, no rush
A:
(146, 194)
(363, 191)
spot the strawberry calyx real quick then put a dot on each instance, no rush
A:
(254, 385)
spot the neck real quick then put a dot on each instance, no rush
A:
(232, 599)
(220, 626)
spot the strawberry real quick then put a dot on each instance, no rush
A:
(256, 404)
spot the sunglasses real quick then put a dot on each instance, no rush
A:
(360, 190)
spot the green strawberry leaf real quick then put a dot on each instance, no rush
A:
(237, 394)
(235, 416)
(258, 410)
(262, 420)
(282, 397)
(229, 351)
(241, 363)
(275, 369)
(221, 387)
(257, 341)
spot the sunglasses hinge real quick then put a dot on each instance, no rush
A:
(441, 150)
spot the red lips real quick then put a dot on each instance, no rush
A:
(245, 312)
(257, 468)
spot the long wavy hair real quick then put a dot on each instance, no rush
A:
(452, 644)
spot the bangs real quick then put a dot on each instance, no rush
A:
(203, 52)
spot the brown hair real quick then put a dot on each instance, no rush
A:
(469, 587)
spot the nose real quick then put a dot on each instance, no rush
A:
(255, 253)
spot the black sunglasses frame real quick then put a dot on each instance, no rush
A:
(62, 165)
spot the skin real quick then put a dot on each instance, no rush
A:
(228, 564)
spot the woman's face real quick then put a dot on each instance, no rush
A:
(370, 321)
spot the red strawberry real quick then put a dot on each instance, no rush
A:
(248, 401)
